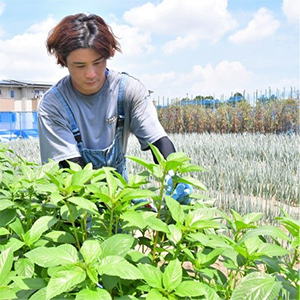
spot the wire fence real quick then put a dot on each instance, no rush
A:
(265, 95)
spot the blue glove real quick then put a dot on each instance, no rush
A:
(181, 191)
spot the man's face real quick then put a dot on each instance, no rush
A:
(87, 70)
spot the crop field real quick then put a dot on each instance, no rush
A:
(246, 172)
(239, 238)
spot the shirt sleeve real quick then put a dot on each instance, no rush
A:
(144, 122)
(56, 138)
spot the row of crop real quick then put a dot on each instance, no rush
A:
(58, 238)
(247, 172)
(271, 117)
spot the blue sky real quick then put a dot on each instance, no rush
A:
(176, 48)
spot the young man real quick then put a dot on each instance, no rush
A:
(88, 115)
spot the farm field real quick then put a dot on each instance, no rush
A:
(246, 172)
(58, 242)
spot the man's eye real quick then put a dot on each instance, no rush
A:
(80, 66)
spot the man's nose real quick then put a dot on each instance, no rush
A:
(90, 73)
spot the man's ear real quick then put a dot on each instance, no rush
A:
(112, 52)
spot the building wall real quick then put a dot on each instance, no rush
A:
(20, 98)
(7, 104)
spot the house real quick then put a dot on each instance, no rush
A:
(21, 96)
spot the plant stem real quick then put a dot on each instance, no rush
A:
(161, 194)
(73, 225)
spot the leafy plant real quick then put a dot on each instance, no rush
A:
(80, 234)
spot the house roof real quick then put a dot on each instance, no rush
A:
(17, 83)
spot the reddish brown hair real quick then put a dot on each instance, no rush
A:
(81, 31)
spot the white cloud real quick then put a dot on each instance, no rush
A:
(2, 6)
(133, 42)
(189, 41)
(224, 78)
(291, 9)
(261, 26)
(186, 20)
(25, 56)
(43, 27)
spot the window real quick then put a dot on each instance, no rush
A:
(12, 94)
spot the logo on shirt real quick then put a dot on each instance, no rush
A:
(111, 120)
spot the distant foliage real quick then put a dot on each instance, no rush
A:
(271, 117)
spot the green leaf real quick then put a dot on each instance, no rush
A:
(149, 166)
(296, 243)
(81, 177)
(29, 283)
(85, 204)
(134, 218)
(39, 295)
(93, 295)
(138, 194)
(4, 231)
(92, 273)
(179, 157)
(39, 227)
(190, 289)
(90, 250)
(272, 250)
(157, 224)
(293, 226)
(207, 259)
(152, 275)
(61, 237)
(24, 267)
(14, 244)
(236, 215)
(154, 294)
(64, 280)
(265, 230)
(193, 181)
(175, 234)
(172, 275)
(6, 261)
(176, 210)
(252, 217)
(118, 266)
(7, 216)
(6, 293)
(206, 224)
(191, 168)
(157, 155)
(111, 183)
(53, 256)
(17, 227)
(56, 197)
(241, 225)
(257, 286)
(4, 204)
(118, 244)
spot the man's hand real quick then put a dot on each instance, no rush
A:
(181, 191)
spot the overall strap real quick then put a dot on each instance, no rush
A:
(74, 127)
(121, 116)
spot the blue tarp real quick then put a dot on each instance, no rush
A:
(18, 124)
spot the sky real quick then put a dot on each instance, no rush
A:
(176, 48)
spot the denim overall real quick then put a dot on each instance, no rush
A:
(111, 156)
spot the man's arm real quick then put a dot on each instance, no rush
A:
(165, 146)
(78, 160)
